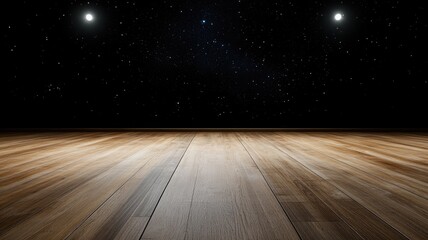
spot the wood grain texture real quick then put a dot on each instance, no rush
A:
(227, 197)
(213, 185)
(353, 174)
(308, 198)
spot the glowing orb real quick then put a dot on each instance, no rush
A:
(89, 17)
(338, 17)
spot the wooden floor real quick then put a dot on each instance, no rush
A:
(213, 185)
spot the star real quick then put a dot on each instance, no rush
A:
(338, 17)
(89, 17)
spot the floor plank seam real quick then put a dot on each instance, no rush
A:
(270, 188)
(191, 204)
(166, 186)
(84, 220)
(339, 190)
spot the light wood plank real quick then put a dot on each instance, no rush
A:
(218, 193)
(126, 213)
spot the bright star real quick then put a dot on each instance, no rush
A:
(89, 17)
(338, 17)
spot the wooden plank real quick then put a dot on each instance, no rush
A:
(379, 160)
(23, 201)
(218, 193)
(111, 185)
(401, 209)
(26, 168)
(67, 202)
(125, 214)
(28, 144)
(307, 198)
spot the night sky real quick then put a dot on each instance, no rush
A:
(214, 64)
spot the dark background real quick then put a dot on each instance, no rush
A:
(214, 64)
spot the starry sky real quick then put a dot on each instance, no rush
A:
(231, 63)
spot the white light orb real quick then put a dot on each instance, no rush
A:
(338, 17)
(89, 17)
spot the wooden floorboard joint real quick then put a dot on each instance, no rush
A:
(191, 203)
(169, 180)
(304, 166)
(267, 183)
(106, 200)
